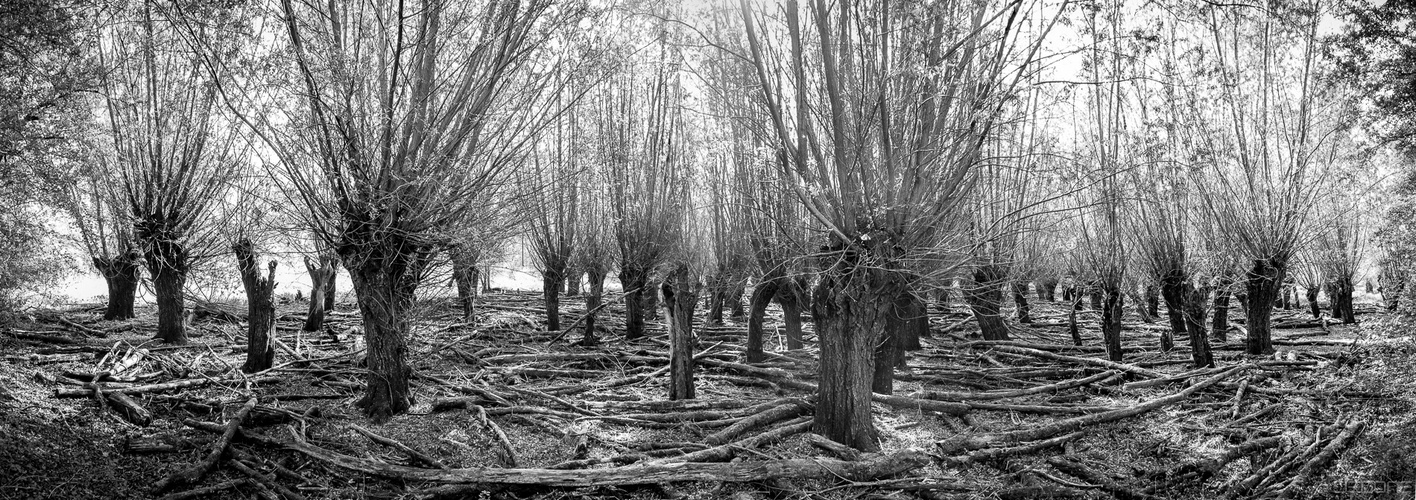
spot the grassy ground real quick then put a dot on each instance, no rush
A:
(69, 448)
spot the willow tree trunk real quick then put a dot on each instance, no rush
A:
(1261, 286)
(260, 308)
(762, 295)
(1195, 325)
(329, 291)
(890, 350)
(1311, 294)
(573, 283)
(735, 299)
(551, 283)
(915, 313)
(851, 305)
(593, 300)
(790, 296)
(1096, 299)
(1153, 296)
(384, 284)
(167, 263)
(651, 299)
(985, 296)
(680, 299)
(1173, 286)
(464, 274)
(1073, 305)
(1020, 301)
(121, 274)
(319, 281)
(635, 284)
(1111, 313)
(1220, 325)
(1345, 289)
(717, 297)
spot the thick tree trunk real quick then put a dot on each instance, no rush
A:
(1220, 328)
(260, 308)
(1020, 301)
(635, 283)
(319, 280)
(1074, 304)
(1312, 295)
(465, 275)
(1261, 286)
(551, 283)
(915, 313)
(735, 298)
(1345, 289)
(329, 290)
(1195, 325)
(680, 298)
(984, 295)
(1111, 313)
(717, 296)
(385, 284)
(1153, 300)
(789, 296)
(121, 273)
(167, 263)
(762, 295)
(651, 299)
(592, 301)
(850, 305)
(1096, 299)
(573, 282)
(1173, 286)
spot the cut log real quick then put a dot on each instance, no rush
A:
(773, 415)
(194, 474)
(871, 467)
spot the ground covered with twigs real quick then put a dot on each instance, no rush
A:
(502, 411)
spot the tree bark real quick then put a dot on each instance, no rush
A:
(1345, 289)
(1220, 328)
(1173, 286)
(736, 300)
(592, 302)
(680, 299)
(635, 282)
(985, 296)
(167, 263)
(1195, 325)
(385, 282)
(651, 299)
(1153, 296)
(260, 308)
(915, 314)
(717, 296)
(789, 295)
(1074, 303)
(1096, 299)
(762, 295)
(1262, 284)
(1020, 301)
(551, 283)
(121, 273)
(319, 281)
(464, 274)
(573, 282)
(1312, 295)
(329, 291)
(1111, 322)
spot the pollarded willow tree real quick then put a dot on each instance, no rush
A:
(173, 149)
(882, 109)
(640, 135)
(1272, 115)
(101, 218)
(412, 115)
(550, 193)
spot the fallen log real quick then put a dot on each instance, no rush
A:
(128, 408)
(43, 359)
(871, 467)
(1081, 360)
(988, 395)
(207, 490)
(841, 451)
(52, 339)
(996, 453)
(1077, 469)
(395, 444)
(725, 452)
(782, 412)
(1329, 452)
(194, 474)
(979, 441)
(266, 480)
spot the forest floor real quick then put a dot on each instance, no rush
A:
(502, 411)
